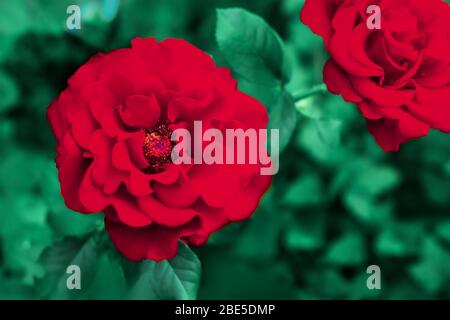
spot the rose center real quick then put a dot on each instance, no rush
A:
(157, 147)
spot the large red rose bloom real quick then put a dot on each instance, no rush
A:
(398, 75)
(113, 125)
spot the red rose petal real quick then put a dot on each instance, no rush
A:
(164, 215)
(381, 95)
(100, 123)
(338, 83)
(390, 133)
(340, 45)
(153, 242)
(318, 14)
(125, 205)
(140, 111)
(87, 73)
(103, 172)
(176, 195)
(434, 105)
(246, 203)
(71, 167)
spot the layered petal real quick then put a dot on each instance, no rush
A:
(113, 125)
(399, 75)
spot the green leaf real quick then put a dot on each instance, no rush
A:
(310, 140)
(432, 272)
(329, 131)
(250, 245)
(257, 54)
(101, 273)
(375, 180)
(109, 280)
(56, 259)
(305, 191)
(358, 287)
(447, 168)
(348, 250)
(336, 284)
(443, 230)
(367, 210)
(436, 188)
(268, 96)
(305, 231)
(178, 278)
(282, 117)
(251, 47)
(400, 240)
(8, 92)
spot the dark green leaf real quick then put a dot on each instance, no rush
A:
(178, 278)
(8, 92)
(348, 250)
(55, 260)
(432, 272)
(282, 117)
(251, 47)
(305, 191)
(305, 232)
(400, 240)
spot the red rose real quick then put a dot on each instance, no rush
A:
(399, 75)
(113, 125)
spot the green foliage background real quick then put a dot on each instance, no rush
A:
(338, 204)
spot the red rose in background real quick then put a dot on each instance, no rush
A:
(113, 125)
(398, 75)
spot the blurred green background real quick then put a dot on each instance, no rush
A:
(338, 204)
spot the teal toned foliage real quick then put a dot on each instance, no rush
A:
(338, 204)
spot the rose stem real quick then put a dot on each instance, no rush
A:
(303, 94)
